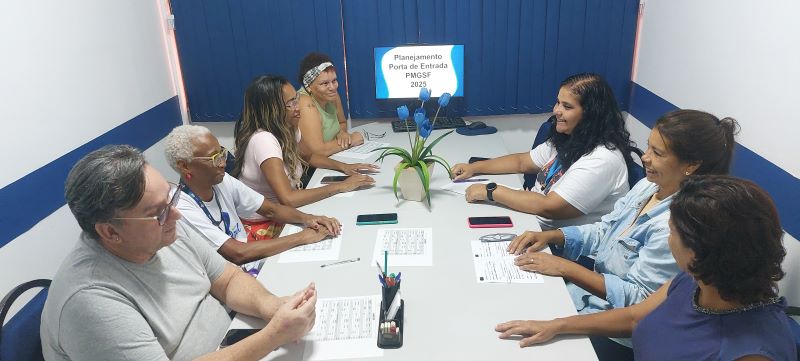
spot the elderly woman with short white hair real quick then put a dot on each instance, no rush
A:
(212, 202)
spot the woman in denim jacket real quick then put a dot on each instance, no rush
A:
(629, 245)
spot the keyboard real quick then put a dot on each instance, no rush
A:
(441, 123)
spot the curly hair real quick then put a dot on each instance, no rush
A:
(264, 109)
(732, 227)
(696, 136)
(179, 144)
(310, 61)
(602, 122)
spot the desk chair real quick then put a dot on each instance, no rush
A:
(541, 136)
(19, 339)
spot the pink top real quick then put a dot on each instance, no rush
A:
(262, 146)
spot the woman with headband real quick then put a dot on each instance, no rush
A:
(322, 120)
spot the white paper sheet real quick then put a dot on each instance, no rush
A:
(406, 246)
(461, 187)
(493, 264)
(325, 250)
(345, 327)
(317, 184)
(362, 151)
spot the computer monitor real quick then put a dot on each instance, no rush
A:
(400, 71)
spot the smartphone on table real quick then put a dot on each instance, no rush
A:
(328, 179)
(237, 334)
(382, 218)
(490, 222)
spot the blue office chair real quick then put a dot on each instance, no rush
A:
(541, 136)
(19, 338)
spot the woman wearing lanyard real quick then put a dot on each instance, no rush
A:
(629, 245)
(212, 202)
(726, 239)
(322, 120)
(582, 166)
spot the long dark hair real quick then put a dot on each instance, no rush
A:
(732, 226)
(602, 122)
(264, 109)
(696, 136)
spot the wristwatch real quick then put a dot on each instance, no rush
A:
(489, 189)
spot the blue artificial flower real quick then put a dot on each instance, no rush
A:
(444, 99)
(424, 94)
(419, 116)
(426, 128)
(402, 112)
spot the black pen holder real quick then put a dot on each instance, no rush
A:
(389, 337)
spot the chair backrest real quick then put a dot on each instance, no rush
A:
(541, 137)
(635, 171)
(19, 338)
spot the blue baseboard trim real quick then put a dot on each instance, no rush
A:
(784, 188)
(40, 193)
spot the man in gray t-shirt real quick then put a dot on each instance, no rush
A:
(139, 286)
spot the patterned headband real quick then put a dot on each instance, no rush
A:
(314, 72)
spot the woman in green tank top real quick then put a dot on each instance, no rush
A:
(322, 121)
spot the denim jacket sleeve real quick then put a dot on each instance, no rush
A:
(583, 240)
(653, 267)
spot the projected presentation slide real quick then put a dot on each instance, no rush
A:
(402, 70)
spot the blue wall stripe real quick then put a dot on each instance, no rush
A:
(784, 188)
(38, 194)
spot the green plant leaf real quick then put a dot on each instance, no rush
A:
(429, 148)
(440, 160)
(402, 153)
(397, 172)
(422, 170)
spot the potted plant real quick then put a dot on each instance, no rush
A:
(413, 173)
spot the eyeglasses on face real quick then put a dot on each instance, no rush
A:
(294, 102)
(162, 216)
(217, 159)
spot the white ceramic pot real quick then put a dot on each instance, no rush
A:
(410, 184)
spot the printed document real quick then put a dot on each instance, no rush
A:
(324, 250)
(493, 264)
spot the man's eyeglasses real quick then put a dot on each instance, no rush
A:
(292, 103)
(162, 216)
(218, 159)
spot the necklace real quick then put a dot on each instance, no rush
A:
(743, 308)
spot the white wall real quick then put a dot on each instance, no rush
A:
(73, 70)
(733, 58)
(69, 72)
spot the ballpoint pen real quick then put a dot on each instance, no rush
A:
(340, 262)
(380, 269)
(471, 180)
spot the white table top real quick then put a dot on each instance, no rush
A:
(448, 315)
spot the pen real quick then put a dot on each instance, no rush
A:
(471, 180)
(340, 262)
(385, 262)
(380, 269)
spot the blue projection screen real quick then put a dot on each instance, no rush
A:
(401, 71)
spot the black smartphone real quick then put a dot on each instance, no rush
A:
(333, 179)
(235, 335)
(476, 159)
(384, 218)
(490, 222)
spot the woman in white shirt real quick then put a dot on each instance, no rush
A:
(269, 156)
(582, 166)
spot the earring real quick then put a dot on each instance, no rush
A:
(189, 176)
(687, 172)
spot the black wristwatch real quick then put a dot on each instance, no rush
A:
(489, 189)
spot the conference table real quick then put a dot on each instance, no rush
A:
(448, 315)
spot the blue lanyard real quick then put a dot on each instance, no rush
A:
(554, 167)
(224, 217)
